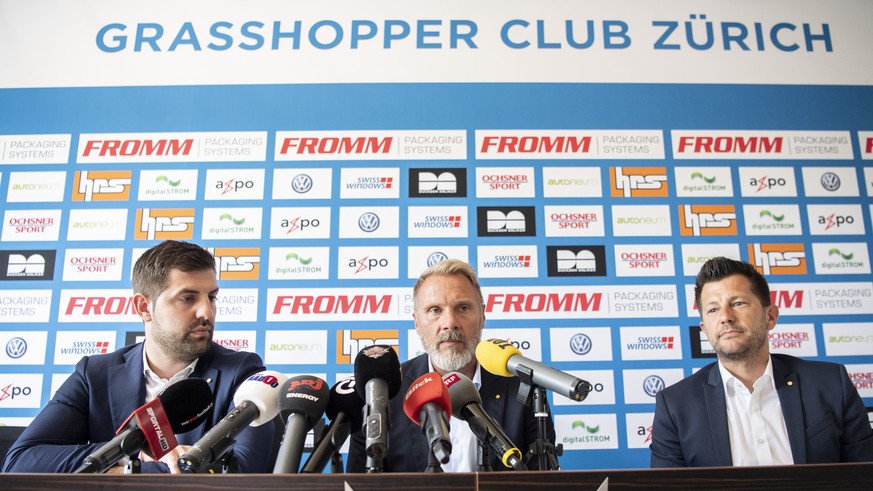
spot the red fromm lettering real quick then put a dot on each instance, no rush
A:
(137, 148)
(536, 144)
(730, 144)
(332, 304)
(332, 145)
(542, 302)
(100, 306)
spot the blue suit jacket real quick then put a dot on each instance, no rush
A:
(408, 450)
(824, 415)
(105, 389)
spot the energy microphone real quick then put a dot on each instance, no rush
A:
(179, 408)
(302, 401)
(428, 404)
(377, 375)
(344, 407)
(502, 358)
(256, 402)
(467, 406)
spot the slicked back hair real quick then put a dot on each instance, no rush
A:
(152, 270)
(449, 267)
(719, 268)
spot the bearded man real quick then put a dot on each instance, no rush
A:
(449, 315)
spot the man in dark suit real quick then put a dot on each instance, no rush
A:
(751, 407)
(175, 288)
(449, 315)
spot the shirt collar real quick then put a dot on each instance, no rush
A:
(730, 382)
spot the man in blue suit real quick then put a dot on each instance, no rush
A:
(449, 318)
(751, 407)
(175, 290)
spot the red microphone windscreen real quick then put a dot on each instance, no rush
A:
(427, 388)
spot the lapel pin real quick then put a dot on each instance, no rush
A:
(209, 380)
(790, 383)
(497, 396)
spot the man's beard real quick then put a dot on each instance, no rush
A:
(183, 348)
(744, 351)
(453, 361)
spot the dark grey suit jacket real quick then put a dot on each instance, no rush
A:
(105, 389)
(408, 450)
(824, 415)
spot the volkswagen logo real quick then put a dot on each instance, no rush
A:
(301, 183)
(436, 257)
(830, 181)
(653, 384)
(16, 347)
(369, 222)
(580, 344)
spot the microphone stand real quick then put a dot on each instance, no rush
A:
(545, 452)
(336, 463)
(134, 465)
(483, 449)
(433, 465)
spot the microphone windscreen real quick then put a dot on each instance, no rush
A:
(377, 362)
(462, 391)
(186, 403)
(427, 388)
(304, 395)
(493, 355)
(344, 399)
(262, 390)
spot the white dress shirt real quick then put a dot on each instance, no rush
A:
(155, 384)
(756, 424)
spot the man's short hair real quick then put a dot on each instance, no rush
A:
(152, 269)
(449, 267)
(719, 268)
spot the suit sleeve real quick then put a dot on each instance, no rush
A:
(665, 448)
(357, 458)
(856, 442)
(254, 444)
(61, 436)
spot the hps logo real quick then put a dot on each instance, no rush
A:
(101, 186)
(164, 224)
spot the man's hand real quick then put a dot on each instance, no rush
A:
(171, 458)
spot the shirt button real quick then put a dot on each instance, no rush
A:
(760, 441)
(455, 441)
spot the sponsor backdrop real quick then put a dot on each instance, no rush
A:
(585, 157)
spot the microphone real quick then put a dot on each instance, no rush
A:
(467, 406)
(377, 372)
(179, 408)
(256, 402)
(427, 404)
(502, 358)
(302, 401)
(344, 407)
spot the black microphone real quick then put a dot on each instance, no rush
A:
(302, 401)
(183, 404)
(502, 358)
(344, 409)
(377, 372)
(427, 404)
(256, 403)
(466, 405)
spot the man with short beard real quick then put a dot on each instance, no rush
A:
(449, 315)
(175, 291)
(751, 407)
